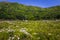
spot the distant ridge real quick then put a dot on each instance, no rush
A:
(13, 11)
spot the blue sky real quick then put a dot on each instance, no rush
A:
(39, 3)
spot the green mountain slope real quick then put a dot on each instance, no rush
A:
(22, 12)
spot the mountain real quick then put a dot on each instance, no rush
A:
(13, 11)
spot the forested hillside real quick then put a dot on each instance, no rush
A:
(22, 12)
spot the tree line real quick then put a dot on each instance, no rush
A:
(13, 11)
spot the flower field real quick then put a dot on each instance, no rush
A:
(30, 30)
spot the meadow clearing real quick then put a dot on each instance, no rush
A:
(30, 30)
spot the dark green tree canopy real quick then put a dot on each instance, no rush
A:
(22, 12)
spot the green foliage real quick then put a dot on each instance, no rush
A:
(18, 11)
(30, 30)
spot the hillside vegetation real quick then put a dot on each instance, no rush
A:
(12, 11)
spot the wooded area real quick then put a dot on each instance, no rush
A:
(22, 12)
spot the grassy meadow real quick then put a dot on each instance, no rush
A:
(30, 30)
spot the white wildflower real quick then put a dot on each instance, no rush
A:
(17, 26)
(18, 38)
(24, 31)
(26, 20)
(11, 30)
(15, 35)
(58, 35)
(12, 38)
(0, 31)
(9, 38)
(49, 34)
(9, 22)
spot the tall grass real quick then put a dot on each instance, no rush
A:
(29, 30)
